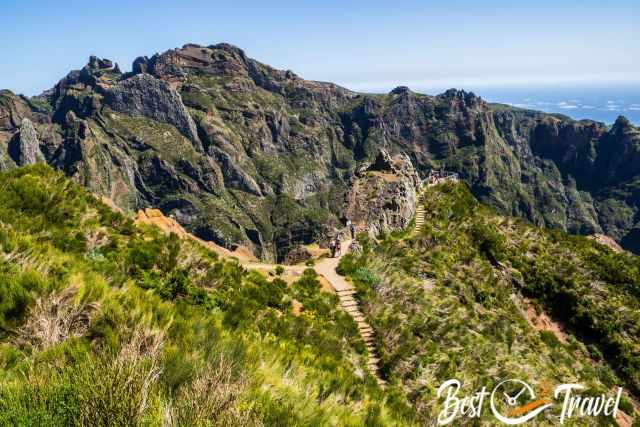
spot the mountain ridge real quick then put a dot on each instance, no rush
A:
(244, 154)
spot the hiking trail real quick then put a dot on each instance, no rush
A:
(420, 213)
(326, 267)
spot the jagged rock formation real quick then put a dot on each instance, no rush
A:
(144, 95)
(27, 150)
(383, 195)
(241, 153)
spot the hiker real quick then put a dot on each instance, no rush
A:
(352, 228)
(338, 246)
(332, 247)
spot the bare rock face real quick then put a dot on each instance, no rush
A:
(28, 145)
(383, 195)
(144, 95)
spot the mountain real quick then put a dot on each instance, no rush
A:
(244, 154)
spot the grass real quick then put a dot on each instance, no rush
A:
(106, 323)
(461, 283)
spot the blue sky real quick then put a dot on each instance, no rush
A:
(363, 45)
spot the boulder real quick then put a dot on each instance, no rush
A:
(297, 255)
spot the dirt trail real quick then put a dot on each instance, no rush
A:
(325, 267)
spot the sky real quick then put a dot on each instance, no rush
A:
(366, 46)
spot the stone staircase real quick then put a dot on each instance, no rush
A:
(350, 305)
(420, 213)
(346, 293)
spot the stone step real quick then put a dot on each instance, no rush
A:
(349, 304)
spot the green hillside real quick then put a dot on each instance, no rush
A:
(450, 302)
(104, 323)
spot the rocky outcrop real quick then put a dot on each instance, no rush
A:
(144, 95)
(383, 195)
(28, 150)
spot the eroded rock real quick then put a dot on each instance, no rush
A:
(28, 144)
(144, 95)
(383, 194)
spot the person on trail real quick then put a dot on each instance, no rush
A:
(352, 229)
(338, 246)
(332, 248)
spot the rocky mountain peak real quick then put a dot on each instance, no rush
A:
(96, 63)
(228, 47)
(401, 90)
(621, 124)
(467, 98)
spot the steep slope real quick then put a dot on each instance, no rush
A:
(106, 323)
(241, 153)
(480, 297)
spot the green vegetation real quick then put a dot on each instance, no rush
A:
(106, 323)
(452, 302)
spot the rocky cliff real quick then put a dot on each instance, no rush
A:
(239, 152)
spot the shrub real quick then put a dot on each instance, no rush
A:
(489, 241)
